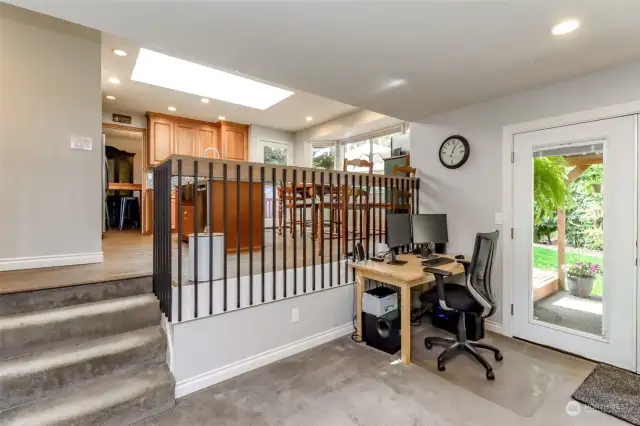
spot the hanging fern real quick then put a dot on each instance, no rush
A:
(549, 186)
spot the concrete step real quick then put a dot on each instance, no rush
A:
(31, 301)
(44, 330)
(108, 401)
(31, 377)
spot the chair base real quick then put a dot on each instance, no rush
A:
(457, 346)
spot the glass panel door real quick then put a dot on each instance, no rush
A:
(574, 239)
(273, 153)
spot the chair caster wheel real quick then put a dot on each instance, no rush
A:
(441, 367)
(490, 375)
(499, 356)
(427, 344)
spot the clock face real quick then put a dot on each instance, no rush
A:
(454, 152)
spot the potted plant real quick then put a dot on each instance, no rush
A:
(580, 277)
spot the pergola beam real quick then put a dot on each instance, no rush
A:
(583, 160)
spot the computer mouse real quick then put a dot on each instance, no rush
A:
(459, 256)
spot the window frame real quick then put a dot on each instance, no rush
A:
(401, 129)
(325, 144)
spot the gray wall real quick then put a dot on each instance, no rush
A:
(50, 90)
(472, 194)
(244, 333)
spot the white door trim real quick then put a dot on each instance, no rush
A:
(508, 133)
(289, 145)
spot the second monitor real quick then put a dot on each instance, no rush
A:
(427, 229)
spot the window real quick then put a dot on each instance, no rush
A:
(374, 149)
(323, 155)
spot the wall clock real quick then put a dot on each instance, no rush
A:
(454, 152)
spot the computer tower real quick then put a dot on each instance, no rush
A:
(383, 332)
(448, 320)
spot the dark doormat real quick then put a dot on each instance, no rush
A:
(613, 391)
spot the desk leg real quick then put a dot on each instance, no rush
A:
(405, 325)
(359, 292)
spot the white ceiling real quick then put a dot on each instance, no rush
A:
(451, 53)
(122, 134)
(137, 98)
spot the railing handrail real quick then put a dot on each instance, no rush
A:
(320, 174)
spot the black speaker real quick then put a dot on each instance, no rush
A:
(383, 332)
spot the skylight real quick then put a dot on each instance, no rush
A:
(177, 74)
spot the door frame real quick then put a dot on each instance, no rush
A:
(270, 222)
(508, 134)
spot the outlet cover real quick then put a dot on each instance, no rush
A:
(295, 315)
(81, 142)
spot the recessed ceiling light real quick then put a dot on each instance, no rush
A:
(119, 52)
(171, 108)
(205, 100)
(114, 80)
(565, 27)
(396, 82)
(308, 118)
(110, 97)
(184, 76)
(222, 117)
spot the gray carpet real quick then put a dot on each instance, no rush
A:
(613, 391)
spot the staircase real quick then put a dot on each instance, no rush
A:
(83, 355)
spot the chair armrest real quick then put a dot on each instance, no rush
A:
(466, 263)
(436, 271)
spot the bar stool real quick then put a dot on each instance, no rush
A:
(126, 205)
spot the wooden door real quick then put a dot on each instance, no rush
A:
(160, 139)
(208, 137)
(185, 139)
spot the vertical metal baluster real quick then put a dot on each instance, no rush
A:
(210, 257)
(368, 218)
(274, 197)
(195, 239)
(262, 244)
(284, 234)
(238, 225)
(321, 229)
(179, 220)
(224, 238)
(417, 196)
(250, 235)
(382, 203)
(353, 216)
(330, 229)
(304, 235)
(294, 226)
(339, 227)
(314, 231)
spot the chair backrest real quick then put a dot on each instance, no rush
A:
(358, 163)
(407, 170)
(479, 279)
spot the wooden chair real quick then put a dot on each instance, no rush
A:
(289, 199)
(401, 195)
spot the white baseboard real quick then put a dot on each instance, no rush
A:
(494, 327)
(34, 262)
(201, 381)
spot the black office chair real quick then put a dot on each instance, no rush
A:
(474, 298)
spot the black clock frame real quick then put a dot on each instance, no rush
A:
(467, 147)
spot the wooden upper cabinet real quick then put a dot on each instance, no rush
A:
(235, 141)
(160, 139)
(185, 139)
(208, 137)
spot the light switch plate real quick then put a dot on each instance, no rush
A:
(81, 142)
(498, 218)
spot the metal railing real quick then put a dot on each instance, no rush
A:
(222, 203)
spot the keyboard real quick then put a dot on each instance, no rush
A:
(439, 261)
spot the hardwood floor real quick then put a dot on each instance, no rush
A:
(128, 254)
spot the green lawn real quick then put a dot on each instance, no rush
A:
(547, 259)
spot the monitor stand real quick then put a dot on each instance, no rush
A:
(395, 261)
(427, 253)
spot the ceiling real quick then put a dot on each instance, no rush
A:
(137, 98)
(122, 134)
(450, 53)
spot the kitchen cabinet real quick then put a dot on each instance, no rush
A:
(148, 212)
(176, 135)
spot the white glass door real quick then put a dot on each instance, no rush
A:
(574, 240)
(279, 153)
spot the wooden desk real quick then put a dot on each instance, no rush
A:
(404, 277)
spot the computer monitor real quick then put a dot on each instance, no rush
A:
(398, 234)
(427, 229)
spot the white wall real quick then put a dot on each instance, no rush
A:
(50, 90)
(258, 133)
(472, 194)
(132, 146)
(139, 121)
(245, 339)
(359, 122)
